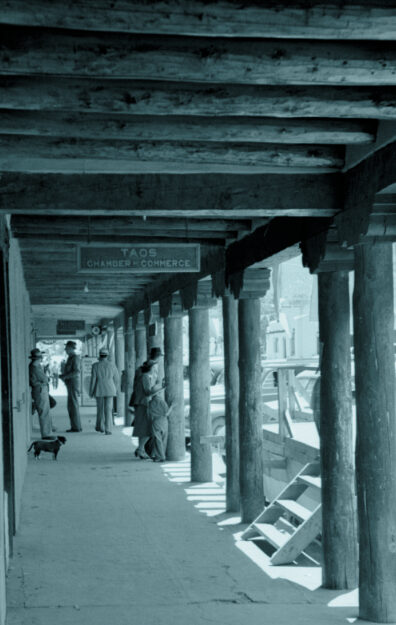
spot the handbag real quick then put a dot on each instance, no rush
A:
(52, 401)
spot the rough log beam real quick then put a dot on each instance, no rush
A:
(325, 20)
(211, 195)
(114, 225)
(269, 62)
(18, 148)
(362, 183)
(201, 237)
(184, 128)
(87, 95)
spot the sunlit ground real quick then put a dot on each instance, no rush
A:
(209, 498)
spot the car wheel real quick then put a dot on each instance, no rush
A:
(218, 426)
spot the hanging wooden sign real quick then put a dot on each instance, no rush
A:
(159, 258)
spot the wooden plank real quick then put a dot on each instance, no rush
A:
(296, 509)
(302, 537)
(89, 95)
(211, 195)
(186, 128)
(274, 536)
(17, 148)
(323, 20)
(46, 51)
(311, 480)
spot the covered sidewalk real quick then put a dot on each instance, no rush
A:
(105, 538)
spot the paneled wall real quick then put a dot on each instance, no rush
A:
(21, 339)
(21, 344)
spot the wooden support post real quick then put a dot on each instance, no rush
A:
(231, 381)
(250, 414)
(199, 371)
(120, 363)
(376, 430)
(339, 528)
(174, 392)
(130, 366)
(140, 345)
(282, 402)
(111, 342)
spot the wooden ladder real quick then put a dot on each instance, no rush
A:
(274, 522)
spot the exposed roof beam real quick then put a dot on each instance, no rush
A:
(187, 128)
(216, 195)
(14, 149)
(266, 62)
(124, 225)
(87, 95)
(324, 20)
(132, 240)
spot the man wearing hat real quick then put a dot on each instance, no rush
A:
(103, 386)
(40, 395)
(72, 378)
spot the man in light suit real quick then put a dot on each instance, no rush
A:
(103, 386)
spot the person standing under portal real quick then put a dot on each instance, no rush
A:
(103, 386)
(72, 379)
(40, 395)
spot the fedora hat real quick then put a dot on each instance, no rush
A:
(36, 353)
(155, 352)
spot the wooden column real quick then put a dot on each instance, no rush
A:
(250, 414)
(199, 371)
(140, 341)
(231, 381)
(376, 425)
(339, 527)
(130, 366)
(120, 363)
(173, 364)
(111, 342)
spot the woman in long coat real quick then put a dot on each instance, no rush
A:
(40, 394)
(144, 386)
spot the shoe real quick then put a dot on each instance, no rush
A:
(158, 459)
(143, 455)
(99, 430)
(53, 429)
(108, 433)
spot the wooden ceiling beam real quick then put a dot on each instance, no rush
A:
(124, 225)
(17, 148)
(264, 195)
(266, 62)
(88, 95)
(322, 20)
(186, 129)
(133, 240)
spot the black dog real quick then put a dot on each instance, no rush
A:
(53, 446)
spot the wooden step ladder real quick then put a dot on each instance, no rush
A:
(274, 523)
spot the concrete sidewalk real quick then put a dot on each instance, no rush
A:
(111, 540)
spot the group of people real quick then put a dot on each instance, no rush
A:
(39, 383)
(150, 424)
(150, 409)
